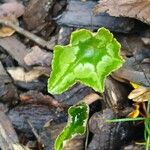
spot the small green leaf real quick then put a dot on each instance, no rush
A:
(89, 58)
(78, 116)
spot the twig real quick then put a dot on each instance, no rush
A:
(34, 132)
(27, 34)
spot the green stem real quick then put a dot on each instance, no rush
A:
(125, 119)
(147, 143)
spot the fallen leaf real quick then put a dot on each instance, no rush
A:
(141, 94)
(137, 92)
(10, 11)
(139, 9)
(135, 85)
(142, 98)
(7, 31)
(135, 113)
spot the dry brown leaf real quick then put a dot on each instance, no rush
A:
(142, 98)
(137, 92)
(140, 94)
(135, 113)
(10, 11)
(7, 31)
(139, 9)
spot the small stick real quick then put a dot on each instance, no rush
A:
(34, 132)
(39, 140)
(27, 34)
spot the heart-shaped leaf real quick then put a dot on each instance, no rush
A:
(89, 58)
(78, 116)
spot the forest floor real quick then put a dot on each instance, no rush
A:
(30, 117)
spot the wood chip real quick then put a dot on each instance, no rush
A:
(89, 99)
(79, 14)
(15, 48)
(8, 92)
(35, 97)
(36, 12)
(19, 74)
(14, 8)
(8, 136)
(42, 57)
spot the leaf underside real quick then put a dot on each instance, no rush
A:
(89, 58)
(78, 116)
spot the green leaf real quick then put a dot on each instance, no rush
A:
(89, 58)
(78, 116)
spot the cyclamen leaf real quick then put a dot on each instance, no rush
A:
(89, 58)
(78, 116)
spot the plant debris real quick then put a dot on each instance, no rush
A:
(30, 117)
(139, 9)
